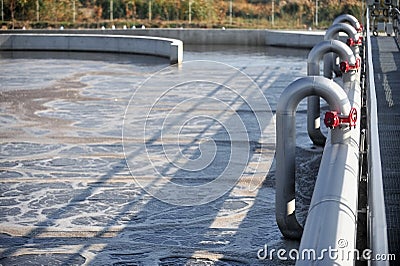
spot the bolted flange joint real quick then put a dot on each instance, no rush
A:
(333, 119)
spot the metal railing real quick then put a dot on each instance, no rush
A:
(378, 241)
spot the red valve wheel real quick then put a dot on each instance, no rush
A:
(333, 120)
(353, 117)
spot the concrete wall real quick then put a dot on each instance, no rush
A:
(294, 39)
(170, 48)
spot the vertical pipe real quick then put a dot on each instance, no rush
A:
(2, 10)
(316, 13)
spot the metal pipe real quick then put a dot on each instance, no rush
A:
(334, 30)
(330, 59)
(353, 22)
(286, 143)
(332, 216)
(313, 69)
(348, 18)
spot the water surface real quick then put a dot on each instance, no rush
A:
(67, 195)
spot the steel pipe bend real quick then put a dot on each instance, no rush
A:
(334, 29)
(319, 50)
(348, 18)
(286, 143)
(313, 69)
(330, 59)
(301, 88)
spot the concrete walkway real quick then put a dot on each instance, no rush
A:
(386, 58)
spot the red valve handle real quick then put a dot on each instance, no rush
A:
(333, 120)
(353, 42)
(360, 29)
(345, 67)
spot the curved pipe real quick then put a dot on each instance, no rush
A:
(332, 33)
(313, 69)
(286, 143)
(319, 50)
(348, 18)
(334, 29)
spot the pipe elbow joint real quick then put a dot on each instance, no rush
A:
(351, 19)
(334, 29)
(345, 53)
(289, 226)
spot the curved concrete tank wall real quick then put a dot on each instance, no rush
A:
(280, 38)
(164, 47)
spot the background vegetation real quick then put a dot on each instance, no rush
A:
(175, 13)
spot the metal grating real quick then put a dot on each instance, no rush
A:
(386, 58)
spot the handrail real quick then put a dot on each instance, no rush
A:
(378, 241)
